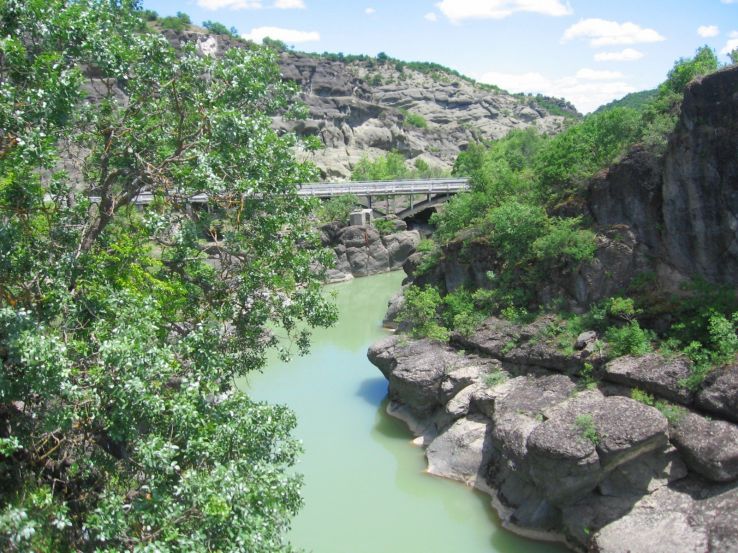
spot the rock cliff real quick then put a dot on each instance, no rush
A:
(682, 209)
(361, 109)
(365, 107)
(363, 250)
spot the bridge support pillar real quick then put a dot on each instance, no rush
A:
(370, 201)
(412, 205)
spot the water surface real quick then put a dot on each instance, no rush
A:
(365, 487)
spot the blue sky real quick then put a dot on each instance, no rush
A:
(588, 52)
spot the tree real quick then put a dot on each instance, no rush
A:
(218, 28)
(685, 70)
(733, 56)
(122, 332)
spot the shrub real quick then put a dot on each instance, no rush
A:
(495, 378)
(421, 312)
(629, 339)
(219, 29)
(415, 120)
(337, 209)
(564, 242)
(384, 226)
(588, 430)
(176, 23)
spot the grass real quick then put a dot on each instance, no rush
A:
(587, 429)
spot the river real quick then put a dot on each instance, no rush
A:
(365, 486)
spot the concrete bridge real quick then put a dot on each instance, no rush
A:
(436, 192)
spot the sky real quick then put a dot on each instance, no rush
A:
(587, 51)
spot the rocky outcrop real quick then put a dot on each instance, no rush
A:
(359, 109)
(363, 250)
(683, 208)
(560, 457)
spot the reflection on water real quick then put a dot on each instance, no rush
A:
(365, 486)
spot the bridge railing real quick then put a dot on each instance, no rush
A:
(367, 188)
(386, 188)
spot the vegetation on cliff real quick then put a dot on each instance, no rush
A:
(122, 332)
(527, 206)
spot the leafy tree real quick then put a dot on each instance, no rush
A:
(218, 28)
(686, 70)
(733, 56)
(176, 23)
(122, 332)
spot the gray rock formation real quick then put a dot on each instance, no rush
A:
(682, 209)
(358, 110)
(653, 373)
(363, 250)
(592, 466)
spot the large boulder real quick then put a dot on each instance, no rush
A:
(709, 447)
(462, 451)
(415, 371)
(653, 373)
(570, 453)
(719, 393)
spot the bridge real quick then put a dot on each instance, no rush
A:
(436, 191)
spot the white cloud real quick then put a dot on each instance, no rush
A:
(289, 36)
(729, 1)
(732, 44)
(230, 4)
(370, 11)
(289, 4)
(707, 31)
(431, 16)
(587, 90)
(629, 54)
(601, 32)
(458, 10)
(595, 75)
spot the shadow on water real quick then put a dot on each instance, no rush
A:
(373, 390)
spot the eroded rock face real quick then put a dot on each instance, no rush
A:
(355, 109)
(363, 251)
(709, 447)
(584, 463)
(719, 393)
(653, 373)
(682, 208)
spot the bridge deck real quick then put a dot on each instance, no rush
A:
(370, 188)
(385, 188)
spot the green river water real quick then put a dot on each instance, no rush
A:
(365, 486)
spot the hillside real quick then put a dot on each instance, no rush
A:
(364, 107)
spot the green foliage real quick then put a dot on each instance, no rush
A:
(629, 339)
(495, 378)
(117, 334)
(643, 397)
(719, 348)
(414, 119)
(421, 311)
(634, 100)
(384, 226)
(686, 70)
(179, 22)
(426, 245)
(587, 378)
(274, 44)
(390, 166)
(673, 413)
(733, 55)
(337, 208)
(219, 29)
(564, 242)
(588, 431)
(460, 313)
(569, 158)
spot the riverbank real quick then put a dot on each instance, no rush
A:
(366, 489)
